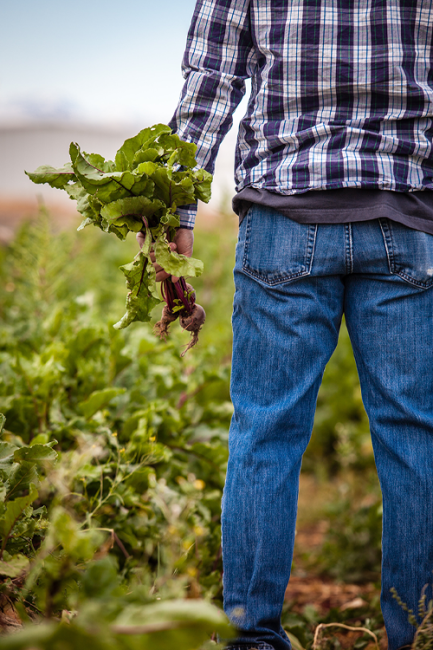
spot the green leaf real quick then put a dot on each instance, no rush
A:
(20, 477)
(109, 186)
(179, 624)
(125, 156)
(6, 451)
(13, 567)
(7, 457)
(98, 400)
(125, 224)
(2, 422)
(169, 191)
(185, 151)
(35, 454)
(147, 155)
(99, 162)
(133, 206)
(140, 280)
(176, 264)
(183, 625)
(57, 178)
(148, 168)
(32, 636)
(14, 509)
(101, 579)
(202, 184)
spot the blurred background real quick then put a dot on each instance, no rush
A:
(93, 72)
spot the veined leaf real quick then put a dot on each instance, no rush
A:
(109, 186)
(57, 178)
(125, 155)
(185, 151)
(99, 162)
(133, 206)
(170, 218)
(20, 477)
(14, 510)
(140, 276)
(202, 184)
(98, 399)
(169, 191)
(131, 224)
(121, 231)
(6, 450)
(176, 264)
(146, 168)
(145, 155)
(35, 454)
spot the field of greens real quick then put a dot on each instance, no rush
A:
(113, 453)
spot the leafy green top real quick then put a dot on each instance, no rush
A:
(152, 174)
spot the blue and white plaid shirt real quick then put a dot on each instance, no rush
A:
(342, 93)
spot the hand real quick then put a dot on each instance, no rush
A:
(183, 244)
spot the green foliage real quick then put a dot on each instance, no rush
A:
(341, 433)
(152, 175)
(352, 547)
(112, 459)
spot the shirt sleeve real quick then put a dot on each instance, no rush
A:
(219, 57)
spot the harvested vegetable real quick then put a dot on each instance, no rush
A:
(153, 173)
(180, 299)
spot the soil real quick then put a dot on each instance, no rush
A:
(307, 586)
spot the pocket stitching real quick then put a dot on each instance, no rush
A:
(388, 235)
(287, 277)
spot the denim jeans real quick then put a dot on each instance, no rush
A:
(294, 282)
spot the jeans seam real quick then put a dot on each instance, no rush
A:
(247, 238)
(387, 240)
(348, 248)
(311, 243)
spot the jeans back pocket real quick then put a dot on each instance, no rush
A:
(277, 249)
(410, 253)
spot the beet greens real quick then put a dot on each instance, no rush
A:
(153, 173)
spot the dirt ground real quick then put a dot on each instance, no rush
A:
(306, 586)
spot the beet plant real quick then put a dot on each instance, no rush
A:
(152, 174)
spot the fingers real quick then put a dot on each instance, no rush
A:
(183, 244)
(140, 237)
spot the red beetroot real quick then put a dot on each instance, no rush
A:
(193, 323)
(180, 299)
(161, 327)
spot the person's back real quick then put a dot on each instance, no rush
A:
(334, 172)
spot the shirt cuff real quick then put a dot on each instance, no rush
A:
(187, 215)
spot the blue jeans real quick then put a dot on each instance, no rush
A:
(294, 282)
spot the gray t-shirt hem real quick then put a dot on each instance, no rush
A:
(346, 205)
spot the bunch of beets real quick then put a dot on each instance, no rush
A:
(152, 174)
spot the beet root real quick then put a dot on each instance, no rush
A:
(161, 327)
(193, 323)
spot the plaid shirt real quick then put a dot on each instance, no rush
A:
(342, 93)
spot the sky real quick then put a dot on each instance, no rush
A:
(97, 60)
(102, 63)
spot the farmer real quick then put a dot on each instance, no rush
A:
(334, 172)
